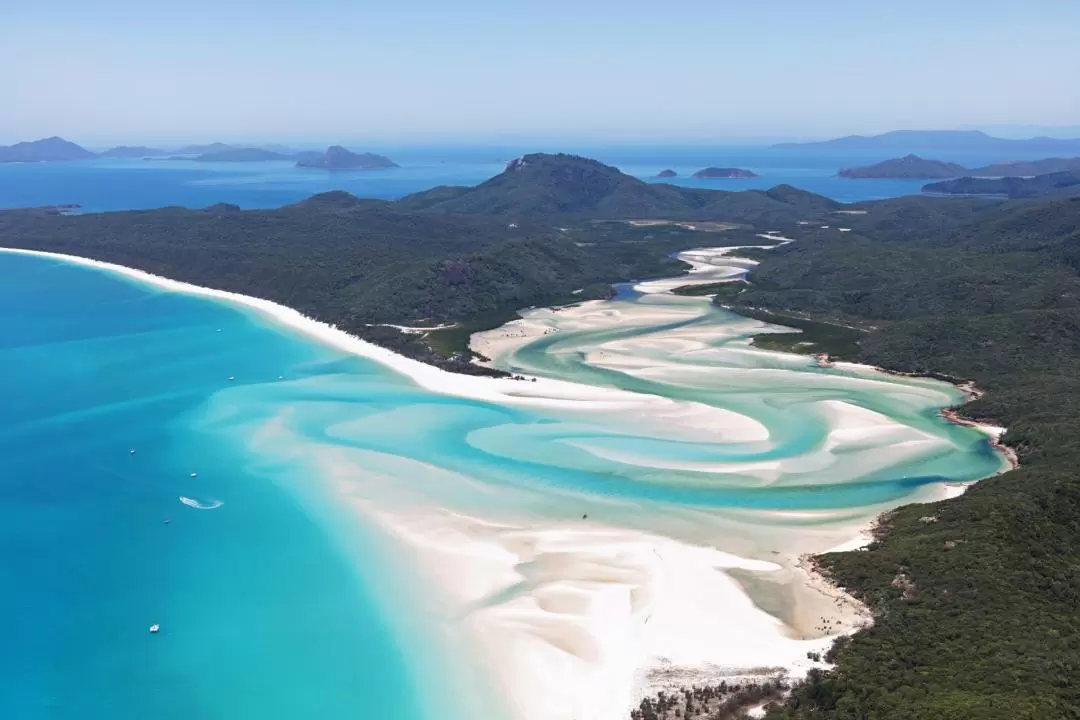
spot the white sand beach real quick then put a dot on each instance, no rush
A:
(582, 619)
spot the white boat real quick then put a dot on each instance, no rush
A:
(154, 628)
(194, 475)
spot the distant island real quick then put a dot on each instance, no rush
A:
(441, 256)
(132, 151)
(65, 209)
(945, 286)
(242, 155)
(667, 174)
(909, 167)
(710, 173)
(944, 140)
(53, 149)
(1058, 184)
(1028, 168)
(57, 149)
(204, 149)
(338, 158)
(913, 167)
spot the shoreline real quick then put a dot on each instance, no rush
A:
(515, 332)
(995, 432)
(542, 393)
(621, 678)
(955, 415)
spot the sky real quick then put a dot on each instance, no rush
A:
(127, 71)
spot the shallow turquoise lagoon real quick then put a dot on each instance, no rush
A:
(266, 609)
(284, 598)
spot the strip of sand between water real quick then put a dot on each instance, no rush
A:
(572, 598)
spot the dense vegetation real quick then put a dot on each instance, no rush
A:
(724, 172)
(338, 158)
(915, 167)
(976, 599)
(1066, 182)
(810, 336)
(907, 167)
(362, 264)
(724, 701)
(550, 186)
(1028, 168)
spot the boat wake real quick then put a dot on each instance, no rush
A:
(211, 503)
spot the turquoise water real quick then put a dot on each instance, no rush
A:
(262, 615)
(292, 598)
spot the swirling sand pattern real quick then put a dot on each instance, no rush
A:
(636, 512)
(582, 534)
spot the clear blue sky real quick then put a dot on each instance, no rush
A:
(147, 70)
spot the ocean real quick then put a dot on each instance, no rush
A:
(319, 534)
(107, 184)
(104, 384)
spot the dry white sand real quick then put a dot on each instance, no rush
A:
(577, 621)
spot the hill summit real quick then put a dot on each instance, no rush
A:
(907, 167)
(50, 149)
(338, 158)
(542, 185)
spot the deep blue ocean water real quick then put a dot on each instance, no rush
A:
(99, 185)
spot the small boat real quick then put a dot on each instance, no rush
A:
(131, 451)
(231, 378)
(155, 628)
(194, 475)
(166, 521)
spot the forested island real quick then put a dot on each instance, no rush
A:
(976, 599)
(338, 158)
(913, 167)
(905, 168)
(722, 172)
(944, 140)
(1051, 184)
(1028, 168)
(52, 149)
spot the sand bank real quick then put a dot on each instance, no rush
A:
(584, 620)
(578, 620)
(543, 393)
(570, 619)
(859, 442)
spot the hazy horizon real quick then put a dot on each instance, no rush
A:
(481, 72)
(542, 142)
